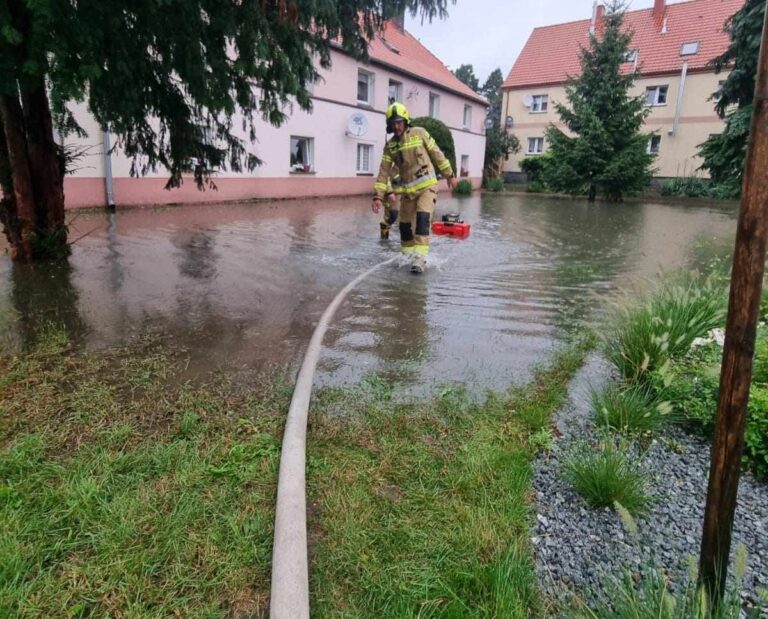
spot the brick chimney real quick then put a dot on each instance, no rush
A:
(598, 11)
(659, 6)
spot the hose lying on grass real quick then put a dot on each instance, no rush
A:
(290, 571)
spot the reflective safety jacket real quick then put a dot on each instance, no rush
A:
(415, 155)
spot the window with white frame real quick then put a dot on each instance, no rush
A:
(539, 104)
(467, 120)
(535, 146)
(434, 105)
(302, 154)
(364, 157)
(464, 171)
(395, 91)
(654, 144)
(656, 95)
(364, 87)
(630, 55)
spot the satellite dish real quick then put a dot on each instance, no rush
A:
(527, 100)
(357, 125)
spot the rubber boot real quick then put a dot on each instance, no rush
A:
(419, 264)
(384, 231)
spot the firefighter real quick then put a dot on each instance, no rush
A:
(390, 213)
(415, 155)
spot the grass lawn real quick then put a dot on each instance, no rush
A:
(127, 491)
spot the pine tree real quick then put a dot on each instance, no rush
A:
(606, 152)
(724, 153)
(166, 77)
(491, 90)
(466, 73)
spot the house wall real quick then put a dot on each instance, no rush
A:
(677, 151)
(334, 171)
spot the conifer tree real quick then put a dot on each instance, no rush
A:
(606, 151)
(724, 153)
(466, 73)
(167, 77)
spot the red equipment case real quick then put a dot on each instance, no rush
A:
(458, 229)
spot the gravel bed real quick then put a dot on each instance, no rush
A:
(577, 547)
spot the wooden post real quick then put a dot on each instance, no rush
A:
(736, 374)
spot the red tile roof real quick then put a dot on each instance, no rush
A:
(414, 59)
(551, 53)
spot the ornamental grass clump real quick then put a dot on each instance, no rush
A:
(663, 326)
(606, 474)
(632, 409)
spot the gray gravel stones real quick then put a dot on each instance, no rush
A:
(577, 548)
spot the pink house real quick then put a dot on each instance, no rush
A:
(334, 150)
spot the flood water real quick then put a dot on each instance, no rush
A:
(245, 284)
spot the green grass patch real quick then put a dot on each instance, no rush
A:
(606, 474)
(422, 509)
(125, 491)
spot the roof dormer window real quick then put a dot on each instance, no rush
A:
(630, 56)
(690, 48)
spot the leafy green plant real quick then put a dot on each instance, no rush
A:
(606, 474)
(631, 409)
(494, 184)
(688, 186)
(464, 187)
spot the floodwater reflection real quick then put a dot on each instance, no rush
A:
(244, 284)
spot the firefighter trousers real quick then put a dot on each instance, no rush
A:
(415, 221)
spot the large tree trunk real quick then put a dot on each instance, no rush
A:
(32, 210)
(44, 161)
(23, 202)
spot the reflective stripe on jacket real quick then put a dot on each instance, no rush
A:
(415, 156)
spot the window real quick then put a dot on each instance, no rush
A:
(540, 103)
(364, 156)
(630, 56)
(302, 154)
(464, 171)
(467, 123)
(690, 48)
(364, 87)
(653, 144)
(656, 95)
(434, 105)
(535, 146)
(395, 91)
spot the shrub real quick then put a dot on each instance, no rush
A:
(464, 187)
(664, 325)
(536, 187)
(442, 134)
(607, 474)
(533, 167)
(630, 409)
(494, 184)
(688, 186)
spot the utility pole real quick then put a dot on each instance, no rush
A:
(736, 373)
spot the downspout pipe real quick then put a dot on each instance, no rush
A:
(289, 597)
(110, 205)
(680, 93)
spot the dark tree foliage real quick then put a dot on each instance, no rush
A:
(724, 154)
(179, 82)
(499, 145)
(608, 152)
(491, 90)
(442, 134)
(466, 73)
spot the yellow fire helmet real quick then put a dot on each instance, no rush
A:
(397, 111)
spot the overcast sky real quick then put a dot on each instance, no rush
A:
(489, 34)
